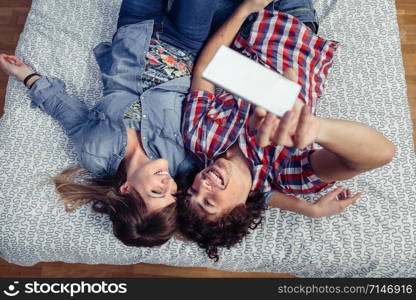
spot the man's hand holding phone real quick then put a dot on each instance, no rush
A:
(298, 127)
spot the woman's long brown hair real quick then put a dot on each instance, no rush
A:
(132, 224)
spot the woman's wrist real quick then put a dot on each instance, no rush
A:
(22, 75)
(32, 80)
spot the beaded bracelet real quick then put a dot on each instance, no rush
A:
(28, 78)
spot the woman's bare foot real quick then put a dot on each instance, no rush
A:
(13, 66)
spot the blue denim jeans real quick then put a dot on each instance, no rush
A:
(186, 25)
(189, 23)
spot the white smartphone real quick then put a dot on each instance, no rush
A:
(251, 81)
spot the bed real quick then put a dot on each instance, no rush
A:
(376, 237)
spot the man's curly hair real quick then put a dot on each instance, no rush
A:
(226, 231)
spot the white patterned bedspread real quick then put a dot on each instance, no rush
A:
(373, 238)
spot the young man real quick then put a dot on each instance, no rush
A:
(249, 154)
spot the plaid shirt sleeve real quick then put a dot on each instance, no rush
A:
(298, 177)
(210, 123)
(196, 109)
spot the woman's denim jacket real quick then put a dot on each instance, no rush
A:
(99, 134)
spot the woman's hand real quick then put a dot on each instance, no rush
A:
(254, 6)
(333, 203)
(13, 66)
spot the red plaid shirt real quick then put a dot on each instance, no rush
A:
(213, 123)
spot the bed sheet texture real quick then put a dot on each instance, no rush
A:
(373, 238)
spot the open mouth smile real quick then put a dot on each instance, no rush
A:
(162, 172)
(215, 177)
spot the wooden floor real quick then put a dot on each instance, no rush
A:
(60, 269)
(406, 14)
(12, 18)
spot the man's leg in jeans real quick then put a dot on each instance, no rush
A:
(301, 9)
(135, 11)
(189, 23)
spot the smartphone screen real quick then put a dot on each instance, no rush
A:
(251, 81)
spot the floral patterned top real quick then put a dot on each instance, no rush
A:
(164, 62)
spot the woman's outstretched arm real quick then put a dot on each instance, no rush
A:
(13, 66)
(48, 94)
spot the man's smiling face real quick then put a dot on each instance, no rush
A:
(219, 188)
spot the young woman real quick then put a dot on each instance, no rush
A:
(130, 141)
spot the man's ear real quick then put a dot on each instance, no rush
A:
(125, 188)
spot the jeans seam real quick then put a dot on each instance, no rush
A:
(298, 10)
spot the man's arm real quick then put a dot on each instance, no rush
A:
(327, 205)
(224, 36)
(291, 203)
(350, 148)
